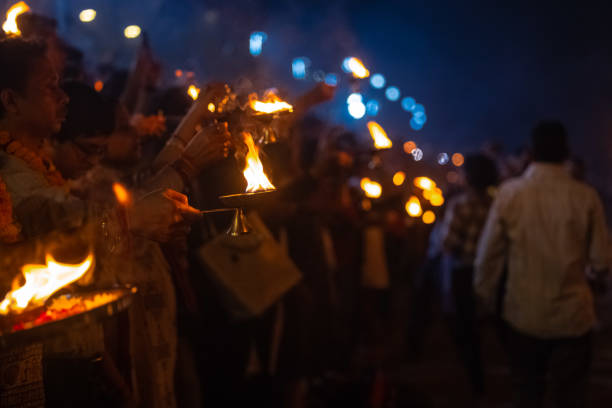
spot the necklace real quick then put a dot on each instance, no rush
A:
(10, 230)
(37, 161)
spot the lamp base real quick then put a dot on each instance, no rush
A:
(240, 225)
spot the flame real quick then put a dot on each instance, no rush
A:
(253, 172)
(437, 199)
(371, 188)
(211, 107)
(42, 281)
(399, 178)
(271, 103)
(413, 207)
(424, 183)
(429, 217)
(431, 192)
(193, 91)
(381, 141)
(357, 68)
(10, 24)
(98, 85)
(123, 196)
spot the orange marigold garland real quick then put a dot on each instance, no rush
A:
(10, 231)
(37, 161)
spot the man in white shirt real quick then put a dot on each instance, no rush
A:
(547, 229)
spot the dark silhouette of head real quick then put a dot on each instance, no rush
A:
(549, 142)
(480, 172)
(18, 57)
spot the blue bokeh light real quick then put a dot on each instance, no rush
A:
(392, 93)
(420, 118)
(354, 98)
(418, 109)
(415, 125)
(331, 79)
(299, 66)
(256, 41)
(345, 65)
(357, 110)
(377, 81)
(443, 159)
(372, 107)
(408, 104)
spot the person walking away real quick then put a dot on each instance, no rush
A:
(463, 223)
(548, 228)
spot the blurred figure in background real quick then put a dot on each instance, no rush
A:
(547, 228)
(463, 224)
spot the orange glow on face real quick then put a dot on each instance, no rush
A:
(10, 24)
(413, 207)
(429, 217)
(357, 68)
(399, 178)
(409, 146)
(193, 91)
(42, 281)
(98, 85)
(270, 103)
(254, 172)
(458, 159)
(371, 188)
(178, 73)
(123, 196)
(381, 141)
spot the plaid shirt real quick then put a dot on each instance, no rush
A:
(464, 221)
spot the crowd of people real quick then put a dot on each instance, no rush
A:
(349, 284)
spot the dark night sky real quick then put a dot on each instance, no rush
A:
(483, 70)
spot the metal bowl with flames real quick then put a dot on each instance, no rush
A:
(41, 304)
(247, 200)
(61, 313)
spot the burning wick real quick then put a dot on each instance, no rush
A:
(193, 91)
(371, 188)
(123, 196)
(211, 107)
(270, 104)
(10, 24)
(357, 68)
(42, 281)
(381, 141)
(413, 207)
(253, 171)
